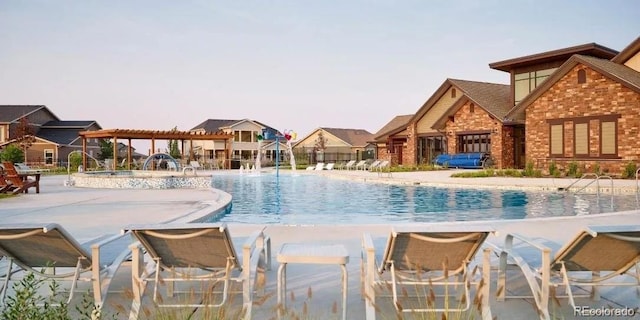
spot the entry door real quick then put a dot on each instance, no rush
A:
(398, 151)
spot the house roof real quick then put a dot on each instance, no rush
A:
(632, 49)
(493, 98)
(398, 123)
(591, 49)
(354, 137)
(214, 125)
(12, 113)
(59, 136)
(617, 72)
(78, 124)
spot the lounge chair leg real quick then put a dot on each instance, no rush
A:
(595, 292)
(502, 277)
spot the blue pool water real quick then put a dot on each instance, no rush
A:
(311, 199)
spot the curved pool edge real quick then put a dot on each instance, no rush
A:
(209, 210)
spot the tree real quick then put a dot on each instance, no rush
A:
(12, 153)
(106, 150)
(24, 135)
(174, 150)
(320, 145)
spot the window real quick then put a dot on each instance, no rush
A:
(581, 141)
(48, 156)
(246, 154)
(608, 138)
(245, 136)
(557, 147)
(453, 92)
(527, 81)
(582, 76)
(474, 143)
(236, 136)
(472, 108)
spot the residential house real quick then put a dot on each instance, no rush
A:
(245, 142)
(54, 138)
(335, 145)
(586, 113)
(390, 140)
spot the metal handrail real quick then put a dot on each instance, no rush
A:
(637, 186)
(596, 180)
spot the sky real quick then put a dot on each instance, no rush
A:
(293, 65)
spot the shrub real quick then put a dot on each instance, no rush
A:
(528, 170)
(629, 171)
(596, 169)
(553, 169)
(572, 170)
(12, 153)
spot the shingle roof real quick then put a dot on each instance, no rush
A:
(59, 136)
(69, 124)
(493, 97)
(617, 72)
(214, 125)
(397, 123)
(354, 137)
(11, 113)
(592, 49)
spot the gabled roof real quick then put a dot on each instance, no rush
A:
(495, 99)
(617, 72)
(60, 136)
(632, 49)
(354, 137)
(590, 49)
(214, 125)
(37, 139)
(13, 113)
(397, 124)
(78, 124)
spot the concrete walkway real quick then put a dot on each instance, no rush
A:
(87, 213)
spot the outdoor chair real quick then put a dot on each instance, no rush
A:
(198, 252)
(21, 182)
(5, 184)
(361, 165)
(602, 252)
(372, 166)
(319, 166)
(428, 257)
(349, 165)
(52, 254)
(330, 166)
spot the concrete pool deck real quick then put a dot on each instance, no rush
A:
(87, 213)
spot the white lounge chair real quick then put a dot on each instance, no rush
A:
(427, 257)
(37, 247)
(198, 252)
(349, 165)
(330, 166)
(25, 169)
(372, 166)
(612, 250)
(319, 166)
(383, 165)
(361, 165)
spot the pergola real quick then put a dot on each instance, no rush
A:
(152, 135)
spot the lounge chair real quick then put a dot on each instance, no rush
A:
(198, 252)
(613, 250)
(372, 166)
(428, 257)
(330, 166)
(21, 182)
(319, 166)
(384, 164)
(5, 184)
(25, 169)
(361, 165)
(52, 254)
(349, 165)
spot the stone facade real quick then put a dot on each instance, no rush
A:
(567, 102)
(479, 121)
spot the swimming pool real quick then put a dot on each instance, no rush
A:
(311, 199)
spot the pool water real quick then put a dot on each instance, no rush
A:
(311, 199)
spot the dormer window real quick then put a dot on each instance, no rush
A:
(582, 76)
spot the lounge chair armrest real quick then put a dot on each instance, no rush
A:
(508, 242)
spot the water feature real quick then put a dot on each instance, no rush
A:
(313, 199)
(292, 158)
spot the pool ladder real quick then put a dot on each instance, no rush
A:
(595, 178)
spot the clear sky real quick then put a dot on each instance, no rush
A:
(294, 65)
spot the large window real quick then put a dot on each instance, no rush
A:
(430, 147)
(244, 136)
(581, 141)
(557, 145)
(474, 143)
(608, 138)
(48, 156)
(527, 81)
